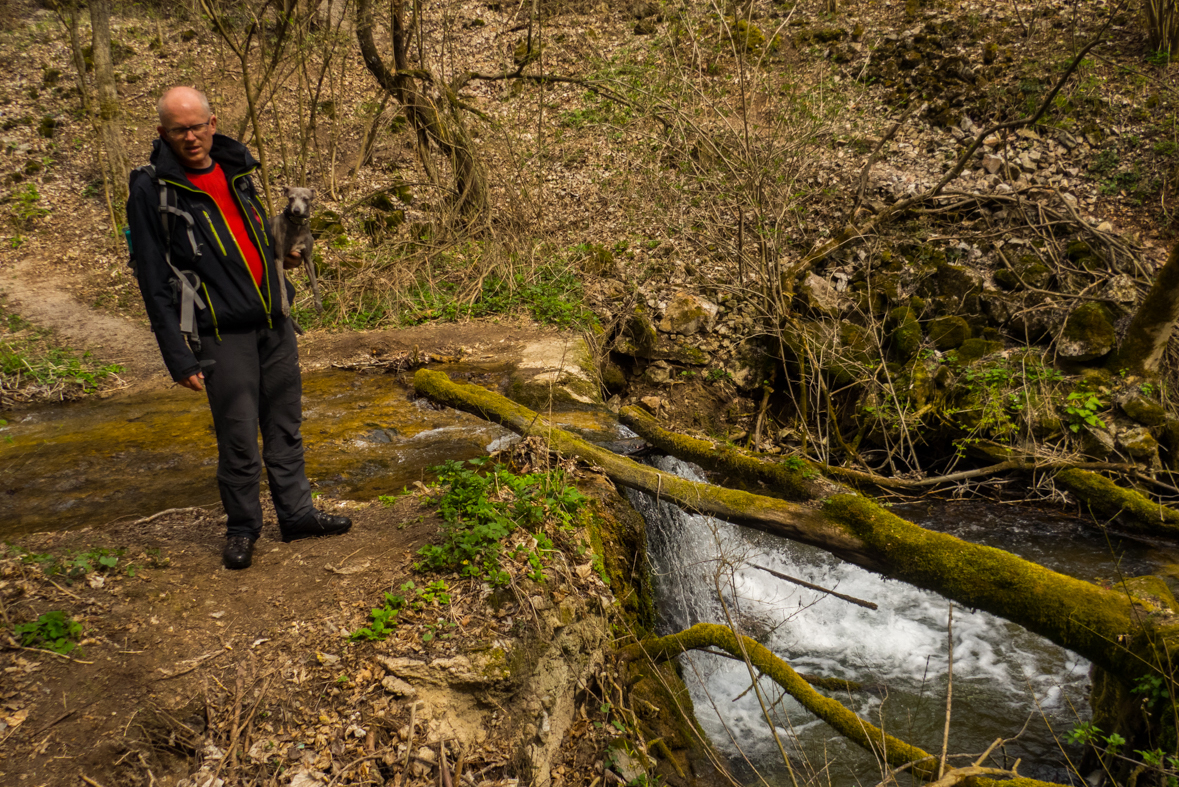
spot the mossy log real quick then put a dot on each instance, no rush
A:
(1132, 510)
(1102, 625)
(778, 479)
(884, 747)
(710, 635)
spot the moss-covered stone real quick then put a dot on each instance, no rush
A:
(905, 337)
(1007, 280)
(1088, 334)
(972, 350)
(948, 333)
(958, 283)
(1143, 410)
(1139, 443)
(639, 336)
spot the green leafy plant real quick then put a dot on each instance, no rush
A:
(55, 631)
(25, 207)
(1081, 409)
(382, 620)
(480, 509)
(1085, 732)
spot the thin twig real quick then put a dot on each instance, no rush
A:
(802, 583)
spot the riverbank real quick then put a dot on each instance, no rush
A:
(184, 672)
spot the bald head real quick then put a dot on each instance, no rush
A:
(181, 98)
(187, 125)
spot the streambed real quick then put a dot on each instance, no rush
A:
(1003, 675)
(365, 434)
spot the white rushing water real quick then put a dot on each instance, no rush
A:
(1002, 673)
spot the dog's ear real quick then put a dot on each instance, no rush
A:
(312, 193)
(286, 191)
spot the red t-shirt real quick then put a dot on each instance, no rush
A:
(214, 183)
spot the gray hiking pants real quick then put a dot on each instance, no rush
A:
(255, 383)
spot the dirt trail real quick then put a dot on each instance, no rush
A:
(41, 295)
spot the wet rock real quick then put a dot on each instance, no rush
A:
(1087, 335)
(688, 314)
(1138, 443)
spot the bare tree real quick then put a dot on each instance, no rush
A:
(108, 118)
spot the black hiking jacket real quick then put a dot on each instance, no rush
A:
(233, 301)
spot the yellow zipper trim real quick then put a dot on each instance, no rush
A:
(269, 300)
(213, 229)
(209, 300)
(232, 187)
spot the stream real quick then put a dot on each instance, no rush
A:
(95, 461)
(98, 461)
(1003, 676)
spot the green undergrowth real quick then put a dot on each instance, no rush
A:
(35, 367)
(449, 288)
(482, 503)
(55, 631)
(74, 565)
(384, 620)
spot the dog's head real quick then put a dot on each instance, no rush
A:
(299, 201)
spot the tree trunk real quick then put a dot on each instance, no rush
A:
(109, 116)
(1104, 625)
(448, 131)
(1146, 339)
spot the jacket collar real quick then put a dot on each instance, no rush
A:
(232, 155)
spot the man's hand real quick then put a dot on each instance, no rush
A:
(293, 259)
(193, 382)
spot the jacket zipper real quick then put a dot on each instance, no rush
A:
(264, 243)
(213, 229)
(257, 289)
(212, 311)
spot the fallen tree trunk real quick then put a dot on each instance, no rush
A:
(1103, 625)
(1105, 500)
(886, 748)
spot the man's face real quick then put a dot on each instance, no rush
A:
(179, 129)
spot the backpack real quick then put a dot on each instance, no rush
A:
(185, 284)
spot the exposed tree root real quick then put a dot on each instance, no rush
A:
(1103, 625)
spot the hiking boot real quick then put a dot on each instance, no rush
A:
(315, 524)
(238, 552)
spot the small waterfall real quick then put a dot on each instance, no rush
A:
(1002, 674)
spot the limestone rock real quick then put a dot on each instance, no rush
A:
(992, 164)
(657, 373)
(1097, 442)
(1143, 410)
(397, 687)
(1120, 289)
(1088, 334)
(1138, 443)
(688, 314)
(653, 404)
(818, 296)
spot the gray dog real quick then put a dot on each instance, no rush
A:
(292, 233)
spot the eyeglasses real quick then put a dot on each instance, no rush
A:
(182, 132)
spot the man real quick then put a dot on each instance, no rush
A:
(209, 251)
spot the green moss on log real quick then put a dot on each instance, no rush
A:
(710, 635)
(1108, 501)
(1074, 614)
(777, 479)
